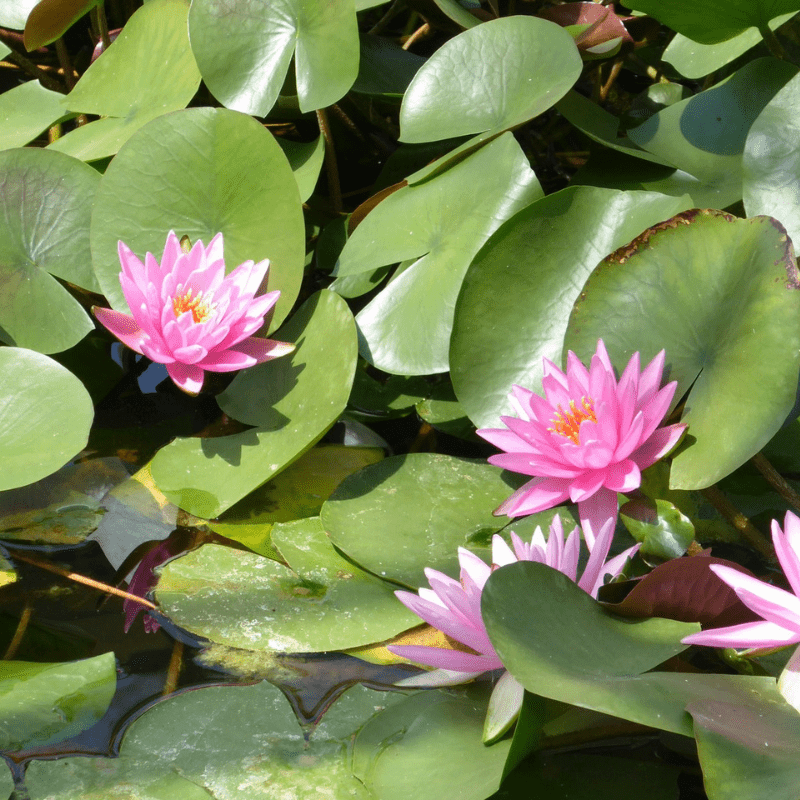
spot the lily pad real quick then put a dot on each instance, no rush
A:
(45, 416)
(306, 160)
(410, 512)
(748, 750)
(50, 19)
(292, 400)
(695, 60)
(45, 204)
(772, 161)
(433, 734)
(236, 742)
(704, 136)
(557, 642)
(712, 21)
(244, 48)
(518, 292)
(444, 221)
(244, 600)
(41, 704)
(149, 70)
(459, 90)
(719, 294)
(26, 111)
(185, 171)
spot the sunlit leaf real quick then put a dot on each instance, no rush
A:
(293, 401)
(50, 19)
(719, 294)
(185, 171)
(244, 49)
(26, 111)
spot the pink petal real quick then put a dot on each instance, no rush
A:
(246, 354)
(190, 354)
(595, 512)
(528, 464)
(446, 659)
(188, 377)
(773, 604)
(787, 548)
(123, 326)
(585, 485)
(623, 477)
(650, 379)
(659, 444)
(591, 579)
(749, 634)
(536, 495)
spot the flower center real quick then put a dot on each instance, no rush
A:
(201, 307)
(568, 423)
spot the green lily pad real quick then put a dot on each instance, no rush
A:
(45, 201)
(410, 512)
(719, 294)
(704, 136)
(444, 221)
(26, 111)
(750, 749)
(236, 742)
(772, 161)
(244, 600)
(459, 90)
(14, 13)
(45, 416)
(713, 21)
(41, 704)
(695, 60)
(244, 49)
(293, 401)
(557, 642)
(306, 160)
(149, 70)
(430, 746)
(518, 292)
(187, 171)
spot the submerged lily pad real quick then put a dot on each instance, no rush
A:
(41, 704)
(320, 602)
(720, 295)
(235, 742)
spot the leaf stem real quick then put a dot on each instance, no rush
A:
(739, 521)
(330, 161)
(100, 24)
(771, 40)
(66, 63)
(776, 480)
(74, 576)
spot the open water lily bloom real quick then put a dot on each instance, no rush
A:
(587, 439)
(779, 610)
(454, 608)
(191, 317)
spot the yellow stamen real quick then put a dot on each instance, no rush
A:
(568, 423)
(200, 306)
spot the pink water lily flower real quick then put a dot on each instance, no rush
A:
(454, 608)
(779, 609)
(588, 438)
(188, 315)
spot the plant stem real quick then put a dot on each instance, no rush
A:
(739, 521)
(74, 576)
(100, 24)
(24, 619)
(66, 63)
(771, 40)
(330, 161)
(419, 33)
(174, 669)
(776, 480)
